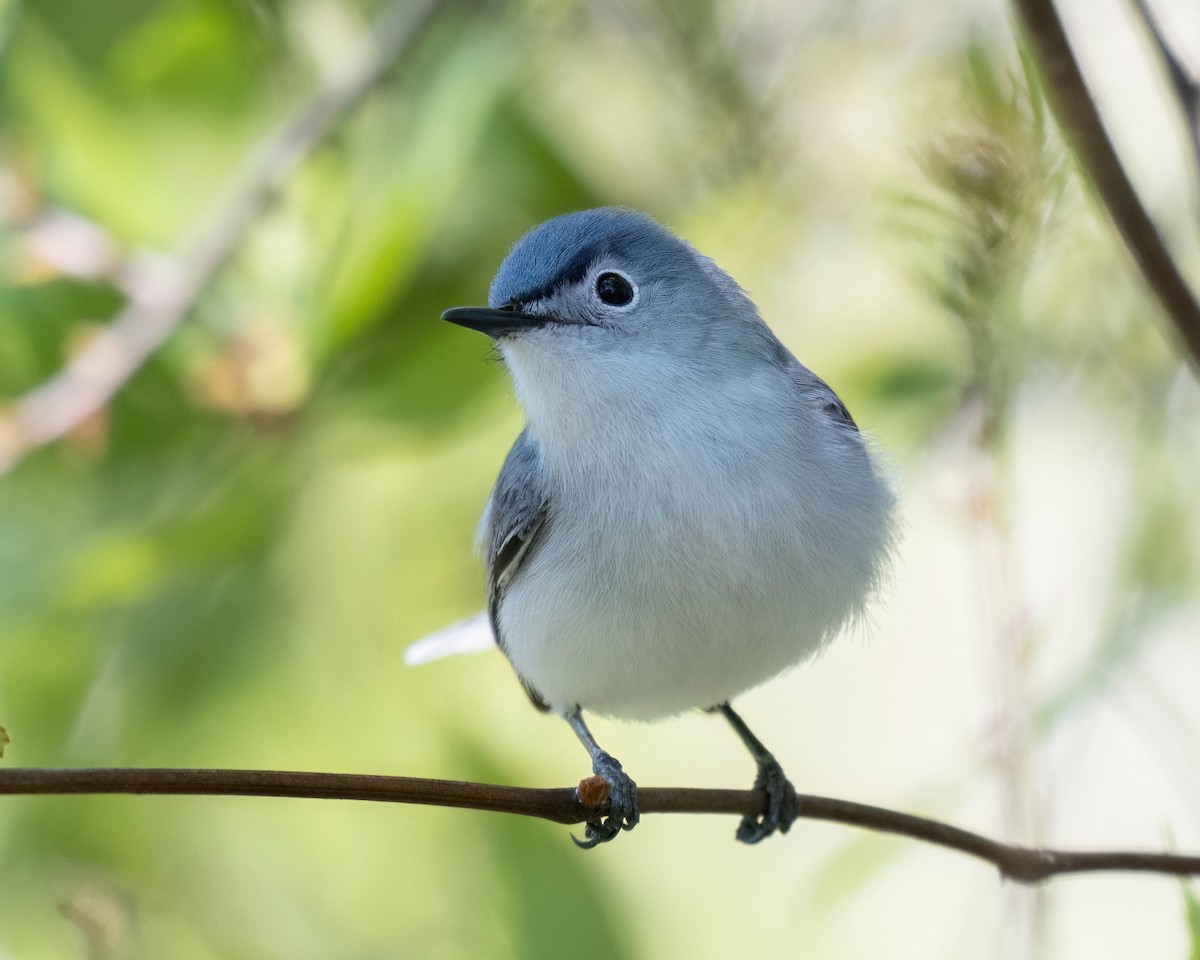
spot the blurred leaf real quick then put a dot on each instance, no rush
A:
(87, 31)
(36, 323)
(192, 54)
(555, 903)
(1191, 908)
(1160, 554)
(985, 76)
(121, 569)
(381, 244)
(118, 165)
(904, 396)
(912, 380)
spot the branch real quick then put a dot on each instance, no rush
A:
(1081, 122)
(562, 805)
(1187, 90)
(162, 292)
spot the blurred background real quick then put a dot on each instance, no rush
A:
(224, 564)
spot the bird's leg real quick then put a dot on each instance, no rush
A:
(782, 805)
(622, 791)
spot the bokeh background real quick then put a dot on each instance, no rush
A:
(224, 566)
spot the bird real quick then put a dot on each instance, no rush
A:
(688, 512)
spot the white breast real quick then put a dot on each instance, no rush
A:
(723, 540)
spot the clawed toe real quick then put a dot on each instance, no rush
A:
(782, 805)
(622, 804)
(596, 834)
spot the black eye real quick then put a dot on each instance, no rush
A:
(613, 289)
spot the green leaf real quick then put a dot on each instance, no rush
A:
(551, 891)
(398, 194)
(1191, 915)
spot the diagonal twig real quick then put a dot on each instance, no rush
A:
(1185, 86)
(1081, 122)
(562, 805)
(161, 293)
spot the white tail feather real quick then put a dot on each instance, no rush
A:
(473, 635)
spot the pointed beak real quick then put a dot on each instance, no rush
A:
(495, 323)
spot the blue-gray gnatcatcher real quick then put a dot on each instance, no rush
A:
(689, 511)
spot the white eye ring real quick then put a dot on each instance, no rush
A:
(615, 289)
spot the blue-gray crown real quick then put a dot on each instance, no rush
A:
(560, 250)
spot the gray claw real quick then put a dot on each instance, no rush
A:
(782, 805)
(622, 804)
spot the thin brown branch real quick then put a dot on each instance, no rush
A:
(561, 805)
(162, 292)
(1080, 120)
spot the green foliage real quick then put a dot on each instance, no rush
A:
(1191, 905)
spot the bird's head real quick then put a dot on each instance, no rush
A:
(605, 281)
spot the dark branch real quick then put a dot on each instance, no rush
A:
(562, 805)
(1081, 122)
(1187, 90)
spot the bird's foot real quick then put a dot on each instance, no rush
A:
(622, 804)
(782, 805)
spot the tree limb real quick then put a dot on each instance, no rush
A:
(162, 292)
(1187, 90)
(1081, 122)
(562, 805)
